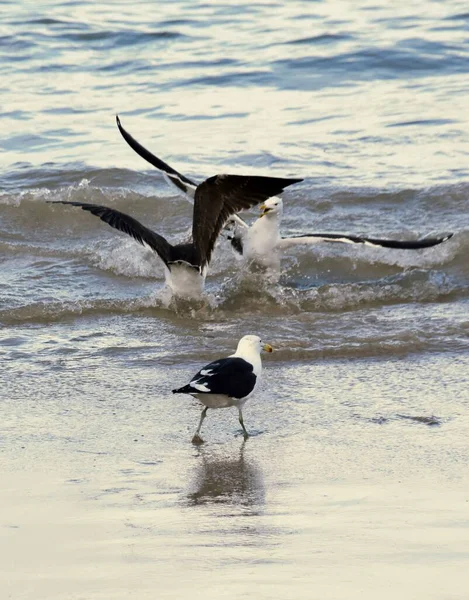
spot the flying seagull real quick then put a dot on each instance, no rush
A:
(228, 381)
(215, 201)
(262, 241)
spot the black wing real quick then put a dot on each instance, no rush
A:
(232, 377)
(179, 180)
(130, 226)
(315, 238)
(221, 196)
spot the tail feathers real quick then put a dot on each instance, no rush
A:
(186, 389)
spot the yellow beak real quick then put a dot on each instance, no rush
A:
(267, 348)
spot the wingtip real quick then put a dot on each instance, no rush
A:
(443, 238)
(118, 121)
(291, 181)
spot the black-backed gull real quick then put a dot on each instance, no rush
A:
(262, 241)
(228, 381)
(215, 201)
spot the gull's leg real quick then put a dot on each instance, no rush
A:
(246, 434)
(197, 439)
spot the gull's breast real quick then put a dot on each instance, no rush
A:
(217, 400)
(261, 242)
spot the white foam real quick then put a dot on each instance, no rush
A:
(126, 257)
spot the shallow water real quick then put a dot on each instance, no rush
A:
(354, 482)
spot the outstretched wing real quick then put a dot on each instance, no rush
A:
(317, 238)
(180, 181)
(221, 196)
(130, 226)
(233, 377)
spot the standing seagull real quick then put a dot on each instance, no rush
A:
(228, 381)
(215, 201)
(262, 241)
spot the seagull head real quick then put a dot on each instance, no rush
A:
(272, 206)
(252, 344)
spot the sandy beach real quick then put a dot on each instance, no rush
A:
(326, 499)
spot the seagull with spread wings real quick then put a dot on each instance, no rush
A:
(215, 200)
(262, 242)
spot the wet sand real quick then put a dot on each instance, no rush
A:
(336, 498)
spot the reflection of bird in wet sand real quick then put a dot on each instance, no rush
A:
(230, 481)
(228, 381)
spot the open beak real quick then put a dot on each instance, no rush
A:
(265, 209)
(267, 348)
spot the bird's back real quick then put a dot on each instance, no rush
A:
(233, 377)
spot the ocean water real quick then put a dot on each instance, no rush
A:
(354, 481)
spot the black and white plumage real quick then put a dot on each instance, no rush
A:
(183, 183)
(215, 200)
(228, 381)
(262, 241)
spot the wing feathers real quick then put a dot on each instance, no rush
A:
(220, 197)
(179, 180)
(130, 226)
(233, 377)
(215, 200)
(317, 238)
